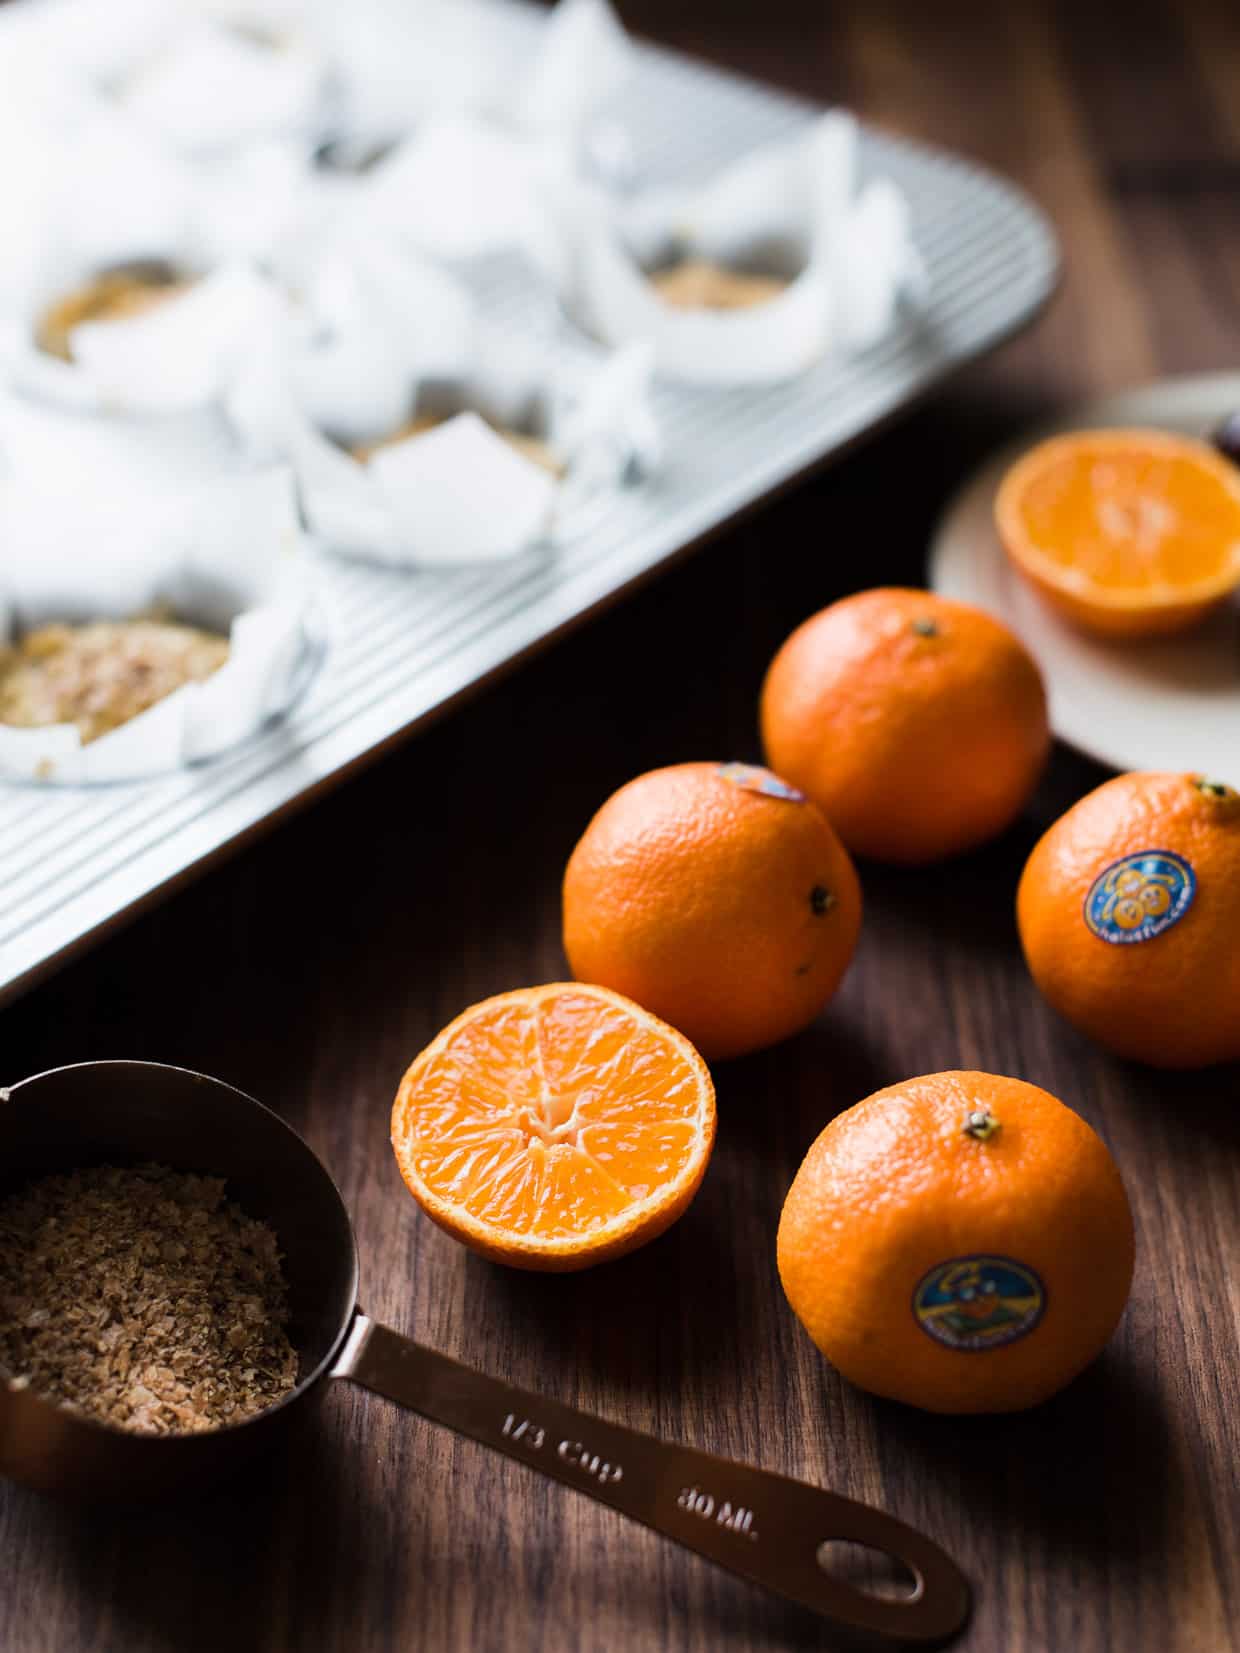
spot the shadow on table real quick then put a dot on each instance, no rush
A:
(1078, 1488)
(677, 1315)
(241, 1569)
(1081, 1487)
(1193, 1110)
(209, 1570)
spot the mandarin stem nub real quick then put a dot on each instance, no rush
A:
(981, 1125)
(1211, 788)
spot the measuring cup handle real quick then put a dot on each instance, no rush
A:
(766, 1527)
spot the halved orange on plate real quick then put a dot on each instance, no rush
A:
(1129, 533)
(555, 1127)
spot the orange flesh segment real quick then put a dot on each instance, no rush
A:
(1125, 517)
(551, 1118)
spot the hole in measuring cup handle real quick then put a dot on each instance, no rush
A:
(871, 1570)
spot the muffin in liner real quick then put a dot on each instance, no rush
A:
(197, 77)
(366, 317)
(837, 256)
(471, 181)
(434, 475)
(84, 189)
(96, 200)
(223, 556)
(250, 246)
(215, 85)
(180, 352)
(96, 43)
(176, 452)
(398, 63)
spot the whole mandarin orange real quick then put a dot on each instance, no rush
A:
(717, 897)
(1129, 914)
(961, 1242)
(917, 724)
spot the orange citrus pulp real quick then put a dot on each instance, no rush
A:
(554, 1127)
(1128, 532)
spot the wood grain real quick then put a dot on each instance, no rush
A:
(311, 969)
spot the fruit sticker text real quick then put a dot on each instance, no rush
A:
(973, 1303)
(1139, 897)
(756, 779)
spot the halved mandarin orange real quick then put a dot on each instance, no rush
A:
(555, 1127)
(1129, 533)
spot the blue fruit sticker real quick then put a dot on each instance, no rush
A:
(973, 1303)
(1139, 897)
(755, 779)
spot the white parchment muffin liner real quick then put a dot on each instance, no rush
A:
(84, 188)
(93, 194)
(793, 210)
(472, 178)
(369, 317)
(224, 555)
(460, 493)
(323, 277)
(193, 76)
(181, 354)
(215, 85)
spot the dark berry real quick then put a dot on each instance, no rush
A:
(1227, 437)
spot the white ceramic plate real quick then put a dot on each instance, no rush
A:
(1172, 703)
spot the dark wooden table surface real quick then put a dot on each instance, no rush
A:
(311, 969)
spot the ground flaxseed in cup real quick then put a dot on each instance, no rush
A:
(143, 1298)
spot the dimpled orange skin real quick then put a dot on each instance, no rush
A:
(696, 897)
(1171, 1001)
(894, 1187)
(917, 724)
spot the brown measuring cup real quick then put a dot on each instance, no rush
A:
(769, 1529)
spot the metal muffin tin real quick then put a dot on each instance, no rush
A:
(397, 647)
